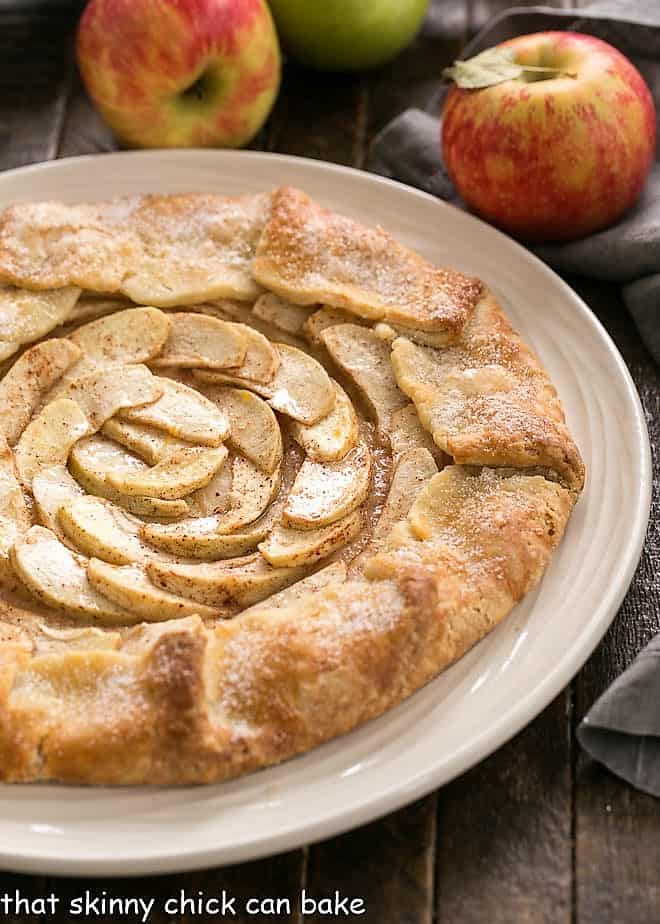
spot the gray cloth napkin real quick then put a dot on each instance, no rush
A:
(628, 253)
(622, 730)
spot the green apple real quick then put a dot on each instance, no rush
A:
(341, 35)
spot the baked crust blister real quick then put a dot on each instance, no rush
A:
(264, 472)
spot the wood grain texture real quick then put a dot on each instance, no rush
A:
(389, 864)
(36, 55)
(319, 115)
(276, 877)
(83, 129)
(617, 829)
(504, 831)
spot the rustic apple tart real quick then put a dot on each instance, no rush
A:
(264, 472)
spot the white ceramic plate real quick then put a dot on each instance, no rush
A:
(480, 702)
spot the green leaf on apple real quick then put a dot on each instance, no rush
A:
(496, 65)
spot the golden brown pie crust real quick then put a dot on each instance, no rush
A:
(274, 663)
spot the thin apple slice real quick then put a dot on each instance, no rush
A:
(334, 435)
(252, 491)
(103, 530)
(105, 391)
(228, 309)
(51, 488)
(135, 335)
(150, 444)
(31, 377)
(58, 578)
(301, 388)
(407, 431)
(199, 340)
(253, 428)
(209, 537)
(8, 348)
(261, 360)
(365, 358)
(199, 538)
(414, 470)
(177, 476)
(93, 459)
(86, 365)
(129, 587)
(83, 638)
(325, 492)
(14, 515)
(291, 547)
(331, 575)
(241, 580)
(48, 438)
(326, 317)
(281, 314)
(12, 501)
(90, 307)
(182, 412)
(25, 316)
(214, 497)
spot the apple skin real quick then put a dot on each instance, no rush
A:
(180, 73)
(346, 35)
(553, 160)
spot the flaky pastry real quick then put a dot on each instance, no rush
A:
(264, 472)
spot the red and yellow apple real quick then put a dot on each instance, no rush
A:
(552, 158)
(180, 73)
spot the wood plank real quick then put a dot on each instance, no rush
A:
(617, 829)
(504, 831)
(36, 68)
(389, 864)
(319, 115)
(617, 850)
(83, 129)
(248, 885)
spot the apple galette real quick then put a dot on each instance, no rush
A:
(264, 472)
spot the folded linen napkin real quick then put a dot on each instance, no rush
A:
(622, 730)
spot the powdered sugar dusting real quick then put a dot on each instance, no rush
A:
(312, 255)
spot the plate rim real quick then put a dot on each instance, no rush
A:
(509, 723)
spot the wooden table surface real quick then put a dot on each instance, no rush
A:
(536, 833)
